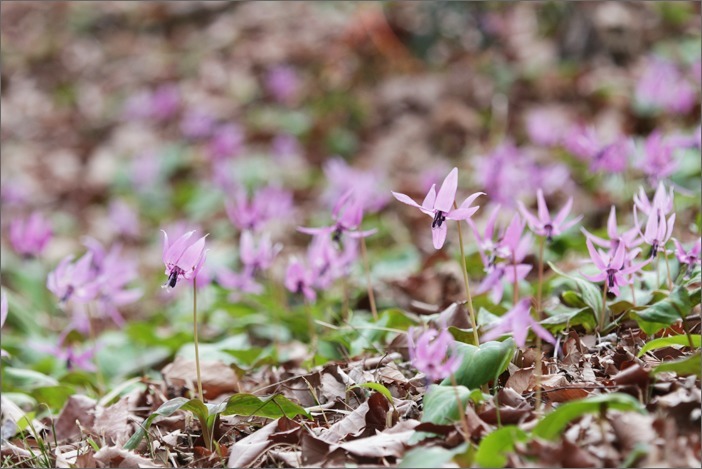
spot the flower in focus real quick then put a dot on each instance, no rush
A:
(615, 268)
(299, 280)
(658, 230)
(434, 353)
(629, 238)
(543, 224)
(183, 258)
(283, 83)
(440, 206)
(29, 236)
(517, 321)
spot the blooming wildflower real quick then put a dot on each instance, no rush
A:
(630, 238)
(662, 200)
(367, 186)
(348, 214)
(499, 275)
(227, 141)
(257, 255)
(243, 282)
(184, 258)
(264, 205)
(197, 124)
(546, 126)
(503, 173)
(29, 236)
(613, 267)
(299, 279)
(74, 281)
(517, 321)
(70, 354)
(327, 262)
(658, 230)
(440, 206)
(3, 316)
(434, 353)
(662, 86)
(542, 224)
(657, 162)
(124, 218)
(689, 258)
(282, 83)
(613, 157)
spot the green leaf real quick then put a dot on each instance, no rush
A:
(376, 387)
(552, 425)
(434, 456)
(578, 317)
(590, 294)
(27, 379)
(681, 339)
(441, 406)
(687, 366)
(665, 312)
(168, 408)
(272, 407)
(483, 363)
(493, 449)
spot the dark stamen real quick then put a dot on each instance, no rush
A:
(173, 277)
(439, 218)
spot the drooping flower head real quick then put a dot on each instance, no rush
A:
(688, 258)
(662, 200)
(517, 321)
(348, 215)
(183, 258)
(74, 280)
(543, 224)
(615, 267)
(264, 205)
(29, 236)
(439, 206)
(658, 230)
(434, 353)
(299, 279)
(630, 238)
(657, 161)
(662, 86)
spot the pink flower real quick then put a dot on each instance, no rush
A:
(630, 238)
(257, 254)
(30, 236)
(434, 353)
(74, 281)
(283, 83)
(264, 205)
(657, 162)
(299, 279)
(184, 258)
(227, 141)
(124, 218)
(614, 268)
(367, 186)
(348, 215)
(543, 224)
(662, 86)
(546, 126)
(440, 206)
(197, 124)
(662, 200)
(658, 230)
(689, 258)
(517, 321)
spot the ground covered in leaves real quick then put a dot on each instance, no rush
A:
(124, 118)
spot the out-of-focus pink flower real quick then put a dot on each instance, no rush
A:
(662, 86)
(604, 154)
(499, 275)
(29, 236)
(283, 83)
(662, 200)
(546, 126)
(266, 204)
(299, 279)
(517, 321)
(183, 258)
(506, 173)
(543, 224)
(124, 219)
(657, 161)
(348, 215)
(440, 206)
(145, 170)
(227, 141)
(161, 104)
(12, 193)
(74, 281)
(257, 254)
(368, 186)
(614, 157)
(71, 355)
(613, 266)
(327, 262)
(434, 353)
(197, 124)
(286, 147)
(688, 258)
(630, 238)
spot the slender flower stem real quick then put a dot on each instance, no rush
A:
(197, 347)
(464, 422)
(667, 266)
(539, 288)
(539, 292)
(633, 292)
(366, 266)
(476, 338)
(658, 271)
(93, 338)
(515, 294)
(604, 306)
(537, 376)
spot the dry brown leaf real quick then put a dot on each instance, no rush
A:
(387, 443)
(112, 456)
(217, 377)
(245, 451)
(112, 423)
(78, 407)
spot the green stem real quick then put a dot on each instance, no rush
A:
(667, 266)
(539, 288)
(476, 338)
(197, 347)
(604, 306)
(464, 422)
(366, 265)
(93, 338)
